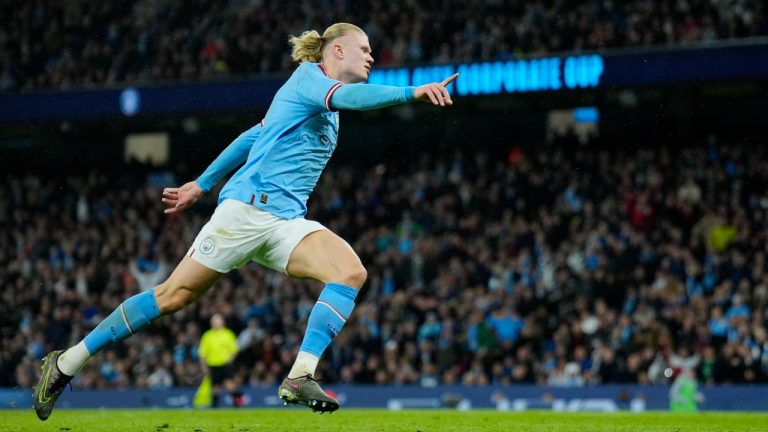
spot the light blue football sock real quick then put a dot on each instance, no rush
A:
(131, 316)
(328, 316)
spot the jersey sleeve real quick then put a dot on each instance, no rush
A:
(370, 96)
(315, 88)
(232, 156)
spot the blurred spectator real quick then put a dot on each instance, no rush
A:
(148, 274)
(684, 395)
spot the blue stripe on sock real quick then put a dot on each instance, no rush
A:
(140, 310)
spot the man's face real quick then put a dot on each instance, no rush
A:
(357, 60)
(217, 321)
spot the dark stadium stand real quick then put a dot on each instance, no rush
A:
(562, 265)
(53, 44)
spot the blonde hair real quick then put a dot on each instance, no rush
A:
(309, 46)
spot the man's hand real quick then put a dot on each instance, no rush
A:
(178, 199)
(436, 92)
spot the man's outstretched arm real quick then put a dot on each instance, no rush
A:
(372, 96)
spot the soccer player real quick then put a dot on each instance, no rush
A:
(260, 216)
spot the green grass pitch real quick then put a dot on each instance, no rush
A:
(357, 420)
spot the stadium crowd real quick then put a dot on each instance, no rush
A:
(560, 265)
(54, 44)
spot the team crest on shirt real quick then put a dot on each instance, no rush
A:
(207, 246)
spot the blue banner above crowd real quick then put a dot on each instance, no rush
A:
(514, 76)
(611, 69)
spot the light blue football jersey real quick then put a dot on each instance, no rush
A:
(286, 152)
(297, 138)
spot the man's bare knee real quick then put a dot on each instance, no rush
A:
(354, 277)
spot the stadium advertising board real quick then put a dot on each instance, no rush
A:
(514, 76)
(607, 398)
(613, 69)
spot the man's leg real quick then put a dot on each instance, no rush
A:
(216, 379)
(185, 285)
(326, 257)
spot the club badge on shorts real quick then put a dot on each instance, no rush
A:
(207, 246)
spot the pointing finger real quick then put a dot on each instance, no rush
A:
(450, 79)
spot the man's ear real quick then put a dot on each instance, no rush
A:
(338, 51)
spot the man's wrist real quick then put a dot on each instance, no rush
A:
(200, 185)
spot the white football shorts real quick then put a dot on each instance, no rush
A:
(239, 233)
